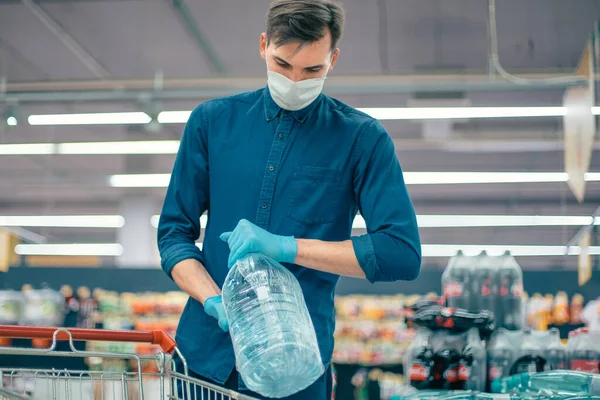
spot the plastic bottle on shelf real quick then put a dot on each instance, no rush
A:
(560, 311)
(418, 360)
(456, 282)
(556, 354)
(575, 309)
(502, 352)
(472, 367)
(584, 351)
(510, 278)
(485, 284)
(273, 336)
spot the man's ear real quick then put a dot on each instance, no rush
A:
(263, 46)
(334, 58)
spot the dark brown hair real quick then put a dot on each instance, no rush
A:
(304, 21)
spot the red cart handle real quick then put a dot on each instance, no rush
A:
(34, 332)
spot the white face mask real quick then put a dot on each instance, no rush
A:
(291, 95)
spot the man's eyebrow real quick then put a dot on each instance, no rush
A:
(282, 61)
(315, 66)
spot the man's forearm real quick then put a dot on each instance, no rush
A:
(333, 257)
(191, 276)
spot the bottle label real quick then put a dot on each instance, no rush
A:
(585, 366)
(494, 372)
(451, 375)
(516, 289)
(453, 289)
(443, 322)
(418, 372)
(464, 372)
(486, 287)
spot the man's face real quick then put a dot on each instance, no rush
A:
(313, 60)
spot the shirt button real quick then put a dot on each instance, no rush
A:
(281, 136)
(264, 205)
(271, 168)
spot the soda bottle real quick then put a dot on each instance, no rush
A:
(457, 320)
(418, 360)
(445, 370)
(576, 309)
(485, 283)
(502, 352)
(510, 303)
(456, 281)
(472, 366)
(531, 357)
(585, 351)
(556, 355)
(560, 312)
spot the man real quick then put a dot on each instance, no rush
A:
(283, 171)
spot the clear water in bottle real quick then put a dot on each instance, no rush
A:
(273, 336)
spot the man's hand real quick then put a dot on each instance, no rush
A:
(248, 238)
(214, 307)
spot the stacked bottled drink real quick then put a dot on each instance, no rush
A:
(483, 282)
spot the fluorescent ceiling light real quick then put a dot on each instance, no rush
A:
(63, 221)
(122, 147)
(444, 178)
(11, 121)
(139, 180)
(72, 249)
(26, 149)
(449, 250)
(93, 148)
(381, 113)
(409, 113)
(173, 117)
(410, 178)
(458, 221)
(90, 119)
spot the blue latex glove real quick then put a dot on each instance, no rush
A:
(248, 238)
(214, 307)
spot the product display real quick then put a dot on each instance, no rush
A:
(543, 311)
(376, 384)
(583, 351)
(437, 317)
(513, 352)
(483, 282)
(372, 330)
(273, 337)
(443, 360)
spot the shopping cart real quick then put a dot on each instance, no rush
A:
(65, 384)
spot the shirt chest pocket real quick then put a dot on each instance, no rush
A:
(319, 195)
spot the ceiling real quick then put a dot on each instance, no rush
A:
(60, 56)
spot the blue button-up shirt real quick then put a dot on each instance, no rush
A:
(304, 174)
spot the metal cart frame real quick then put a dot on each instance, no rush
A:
(26, 384)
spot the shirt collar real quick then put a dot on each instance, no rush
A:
(272, 110)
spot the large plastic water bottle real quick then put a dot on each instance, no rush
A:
(273, 336)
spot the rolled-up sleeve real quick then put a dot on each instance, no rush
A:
(391, 249)
(187, 197)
